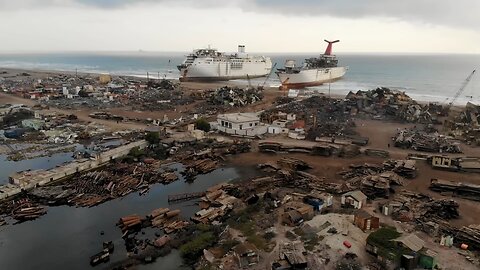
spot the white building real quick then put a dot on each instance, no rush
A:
(243, 124)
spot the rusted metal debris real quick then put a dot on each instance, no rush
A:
(457, 189)
(235, 97)
(410, 206)
(385, 103)
(426, 142)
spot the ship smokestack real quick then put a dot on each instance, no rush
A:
(328, 51)
(241, 48)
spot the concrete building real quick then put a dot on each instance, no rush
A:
(355, 199)
(242, 124)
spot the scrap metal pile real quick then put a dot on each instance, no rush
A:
(385, 103)
(234, 96)
(290, 172)
(331, 117)
(157, 99)
(378, 181)
(466, 124)
(422, 141)
(409, 206)
(464, 190)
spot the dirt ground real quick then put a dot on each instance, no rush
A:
(380, 134)
(81, 114)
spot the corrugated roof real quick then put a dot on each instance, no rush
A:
(357, 195)
(411, 241)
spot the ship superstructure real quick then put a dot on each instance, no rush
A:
(211, 65)
(314, 71)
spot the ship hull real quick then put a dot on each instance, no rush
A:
(217, 79)
(311, 77)
(224, 71)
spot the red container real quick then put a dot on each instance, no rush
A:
(347, 244)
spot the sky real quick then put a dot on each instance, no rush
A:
(365, 26)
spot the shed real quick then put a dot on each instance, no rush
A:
(365, 221)
(411, 241)
(292, 218)
(246, 255)
(355, 199)
(428, 259)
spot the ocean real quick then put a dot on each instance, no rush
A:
(424, 77)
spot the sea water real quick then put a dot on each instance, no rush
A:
(424, 77)
(67, 236)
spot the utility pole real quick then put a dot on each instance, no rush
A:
(329, 81)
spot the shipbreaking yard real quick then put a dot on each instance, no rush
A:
(370, 180)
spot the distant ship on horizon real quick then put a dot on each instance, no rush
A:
(315, 71)
(211, 65)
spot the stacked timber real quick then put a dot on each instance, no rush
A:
(200, 167)
(469, 235)
(175, 226)
(164, 216)
(88, 200)
(162, 241)
(129, 223)
(28, 213)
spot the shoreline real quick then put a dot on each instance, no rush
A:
(336, 93)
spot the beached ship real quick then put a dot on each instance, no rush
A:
(315, 71)
(211, 65)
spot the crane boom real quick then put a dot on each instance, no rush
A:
(462, 88)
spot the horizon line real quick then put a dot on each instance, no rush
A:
(183, 52)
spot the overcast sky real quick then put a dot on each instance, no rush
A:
(433, 26)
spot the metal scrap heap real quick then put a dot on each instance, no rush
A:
(395, 105)
(422, 141)
(466, 124)
(411, 206)
(234, 96)
(373, 180)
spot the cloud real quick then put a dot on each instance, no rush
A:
(459, 13)
(452, 13)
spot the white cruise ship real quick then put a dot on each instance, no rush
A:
(315, 71)
(210, 65)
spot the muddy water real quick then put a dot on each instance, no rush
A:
(66, 237)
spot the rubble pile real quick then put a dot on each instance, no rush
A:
(290, 172)
(378, 181)
(466, 125)
(162, 84)
(404, 168)
(373, 180)
(410, 206)
(157, 99)
(394, 105)
(234, 96)
(422, 141)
